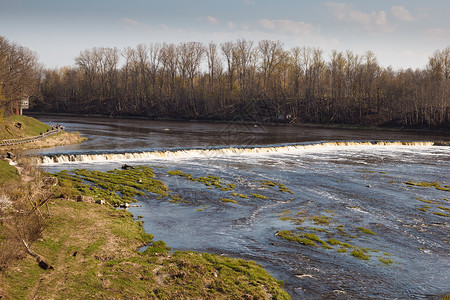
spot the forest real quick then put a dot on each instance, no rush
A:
(241, 81)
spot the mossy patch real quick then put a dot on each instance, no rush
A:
(288, 235)
(366, 231)
(209, 180)
(426, 184)
(258, 196)
(427, 201)
(359, 254)
(114, 186)
(386, 261)
(321, 220)
(226, 200)
(441, 214)
(272, 184)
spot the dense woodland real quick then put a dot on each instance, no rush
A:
(246, 81)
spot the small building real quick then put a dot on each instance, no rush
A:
(21, 104)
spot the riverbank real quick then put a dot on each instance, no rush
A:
(93, 253)
(19, 127)
(258, 123)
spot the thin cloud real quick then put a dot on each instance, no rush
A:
(376, 21)
(439, 33)
(401, 13)
(231, 25)
(209, 19)
(287, 26)
(129, 22)
(212, 20)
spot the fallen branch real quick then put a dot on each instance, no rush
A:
(39, 259)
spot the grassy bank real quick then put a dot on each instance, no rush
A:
(93, 249)
(17, 126)
(9, 129)
(7, 172)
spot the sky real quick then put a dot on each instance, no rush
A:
(402, 33)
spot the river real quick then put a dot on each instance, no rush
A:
(326, 184)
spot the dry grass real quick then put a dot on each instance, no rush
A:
(21, 213)
(59, 139)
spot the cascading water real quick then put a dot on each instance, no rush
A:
(191, 153)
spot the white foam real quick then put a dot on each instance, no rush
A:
(192, 153)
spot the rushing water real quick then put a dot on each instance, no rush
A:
(350, 185)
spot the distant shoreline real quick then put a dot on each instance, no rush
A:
(308, 125)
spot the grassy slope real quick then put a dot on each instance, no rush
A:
(7, 172)
(30, 127)
(106, 264)
(33, 127)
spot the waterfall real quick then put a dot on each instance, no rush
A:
(189, 153)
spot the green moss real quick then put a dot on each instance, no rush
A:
(175, 198)
(272, 184)
(444, 208)
(386, 261)
(115, 186)
(224, 200)
(243, 196)
(315, 238)
(258, 196)
(210, 181)
(427, 201)
(422, 209)
(441, 214)
(157, 248)
(365, 171)
(337, 242)
(436, 185)
(359, 254)
(199, 209)
(287, 235)
(342, 250)
(175, 173)
(366, 231)
(320, 220)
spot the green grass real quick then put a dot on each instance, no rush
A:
(30, 127)
(7, 172)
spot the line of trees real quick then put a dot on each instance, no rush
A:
(243, 80)
(20, 74)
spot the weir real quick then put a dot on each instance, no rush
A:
(208, 152)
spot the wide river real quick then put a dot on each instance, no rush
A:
(345, 189)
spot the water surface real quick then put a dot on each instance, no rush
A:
(352, 186)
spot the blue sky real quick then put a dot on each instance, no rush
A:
(402, 33)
